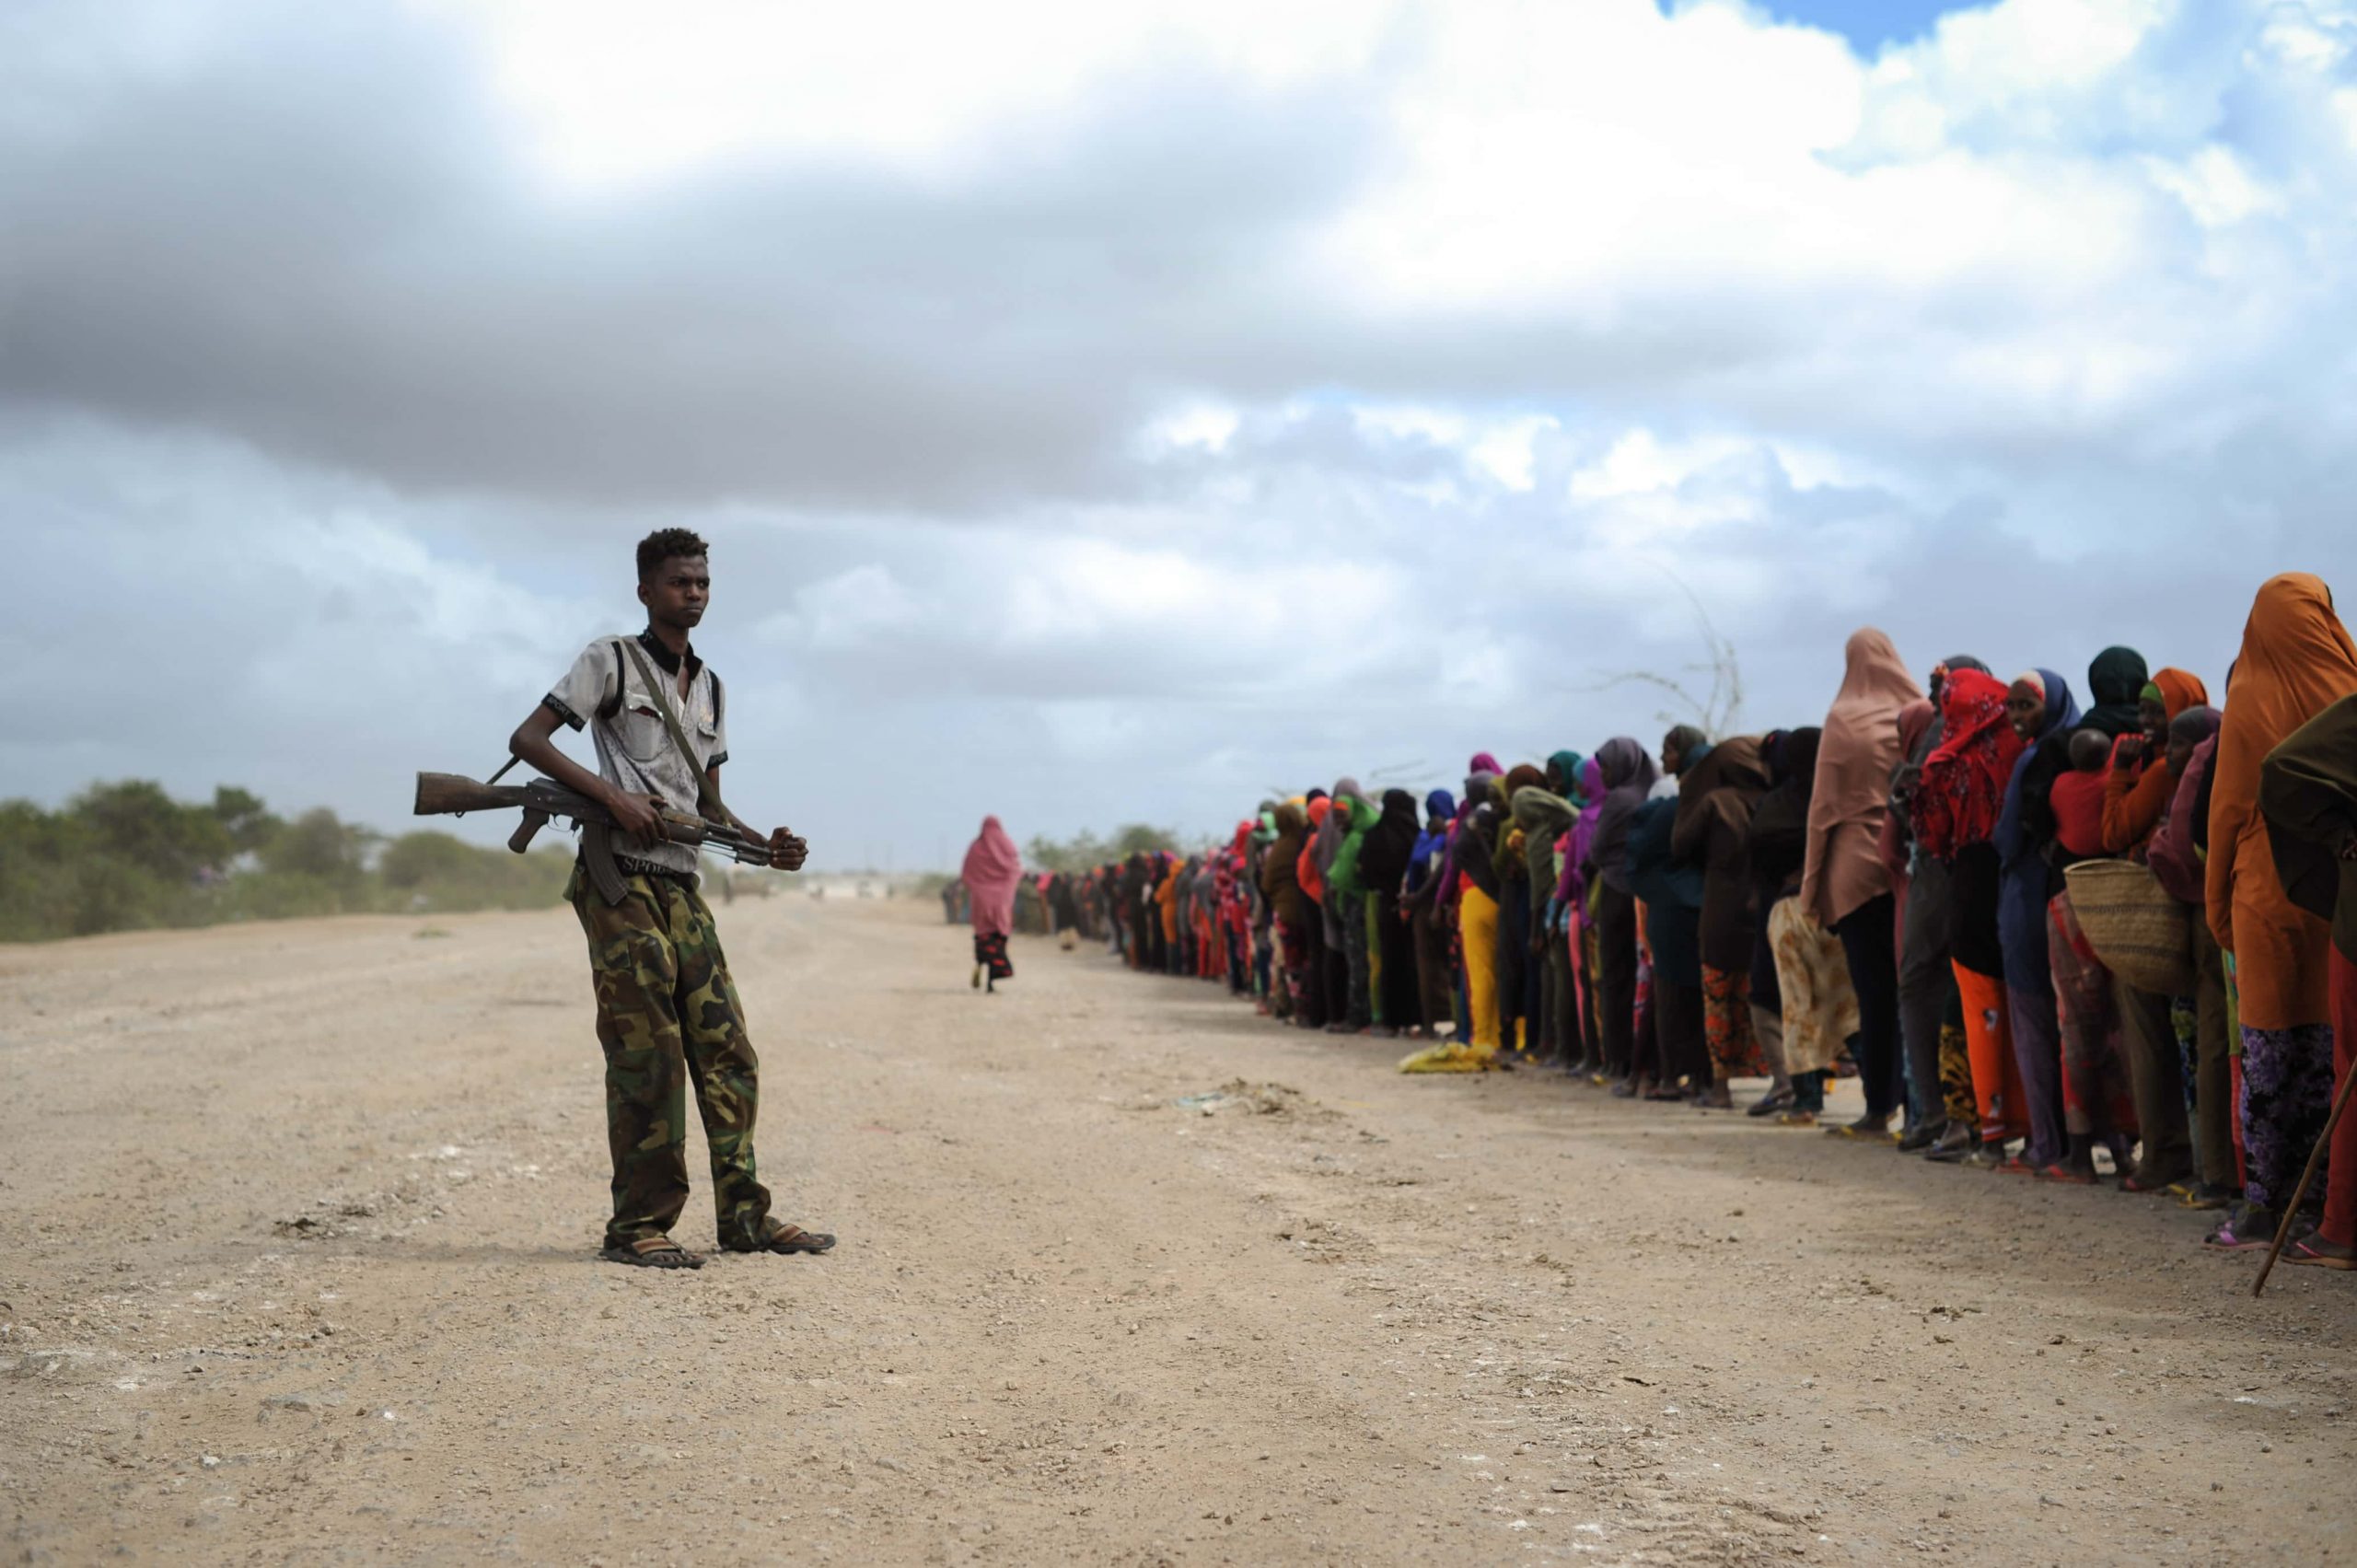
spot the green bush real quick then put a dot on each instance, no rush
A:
(126, 857)
(435, 871)
(318, 846)
(1085, 850)
(137, 822)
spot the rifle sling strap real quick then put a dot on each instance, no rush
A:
(708, 805)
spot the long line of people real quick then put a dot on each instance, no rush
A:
(2046, 939)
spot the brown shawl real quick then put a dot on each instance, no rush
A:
(1715, 798)
(1854, 761)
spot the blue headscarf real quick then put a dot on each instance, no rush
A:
(1423, 857)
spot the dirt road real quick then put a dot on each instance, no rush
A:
(297, 1267)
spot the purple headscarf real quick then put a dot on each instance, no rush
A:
(1570, 886)
(1629, 775)
(1477, 790)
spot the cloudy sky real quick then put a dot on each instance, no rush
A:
(1104, 412)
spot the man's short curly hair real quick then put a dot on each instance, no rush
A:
(663, 544)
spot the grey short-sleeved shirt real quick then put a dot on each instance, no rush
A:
(604, 693)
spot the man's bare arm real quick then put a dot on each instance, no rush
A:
(786, 852)
(534, 744)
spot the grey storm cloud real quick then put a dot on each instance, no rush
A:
(322, 241)
(1089, 476)
(319, 233)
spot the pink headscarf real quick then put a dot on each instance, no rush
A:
(993, 868)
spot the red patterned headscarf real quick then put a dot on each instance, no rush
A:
(1963, 785)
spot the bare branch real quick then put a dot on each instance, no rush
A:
(1715, 712)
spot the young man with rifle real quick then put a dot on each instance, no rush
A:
(668, 1014)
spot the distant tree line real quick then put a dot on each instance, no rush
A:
(1085, 849)
(127, 856)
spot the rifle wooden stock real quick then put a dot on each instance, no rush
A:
(447, 795)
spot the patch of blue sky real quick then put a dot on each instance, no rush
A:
(1867, 24)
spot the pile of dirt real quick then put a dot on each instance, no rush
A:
(1250, 1098)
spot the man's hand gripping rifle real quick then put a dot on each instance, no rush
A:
(449, 794)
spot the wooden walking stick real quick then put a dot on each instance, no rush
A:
(2315, 1158)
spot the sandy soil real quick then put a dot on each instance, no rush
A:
(297, 1240)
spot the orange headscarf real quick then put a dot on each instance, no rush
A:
(1313, 882)
(2179, 691)
(2296, 661)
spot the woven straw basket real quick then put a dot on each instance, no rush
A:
(2141, 934)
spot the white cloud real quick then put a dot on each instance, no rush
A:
(613, 92)
(2216, 188)
(1206, 425)
(1506, 449)
(2031, 62)
(856, 609)
(1556, 154)
(1640, 461)
(1199, 393)
(1445, 428)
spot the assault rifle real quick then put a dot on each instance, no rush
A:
(449, 794)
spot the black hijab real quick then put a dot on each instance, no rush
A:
(1779, 841)
(1473, 856)
(2116, 680)
(1384, 851)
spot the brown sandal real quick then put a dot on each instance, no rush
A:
(784, 1238)
(652, 1252)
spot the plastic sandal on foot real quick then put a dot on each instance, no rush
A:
(2312, 1251)
(2245, 1227)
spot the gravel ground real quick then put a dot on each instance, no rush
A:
(298, 1266)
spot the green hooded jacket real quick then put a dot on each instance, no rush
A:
(1543, 817)
(1344, 876)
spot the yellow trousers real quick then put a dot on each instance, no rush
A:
(1477, 923)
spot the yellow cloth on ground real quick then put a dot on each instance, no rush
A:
(1448, 1058)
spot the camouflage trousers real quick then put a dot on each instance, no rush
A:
(667, 1016)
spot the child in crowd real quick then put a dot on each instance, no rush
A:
(2078, 796)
